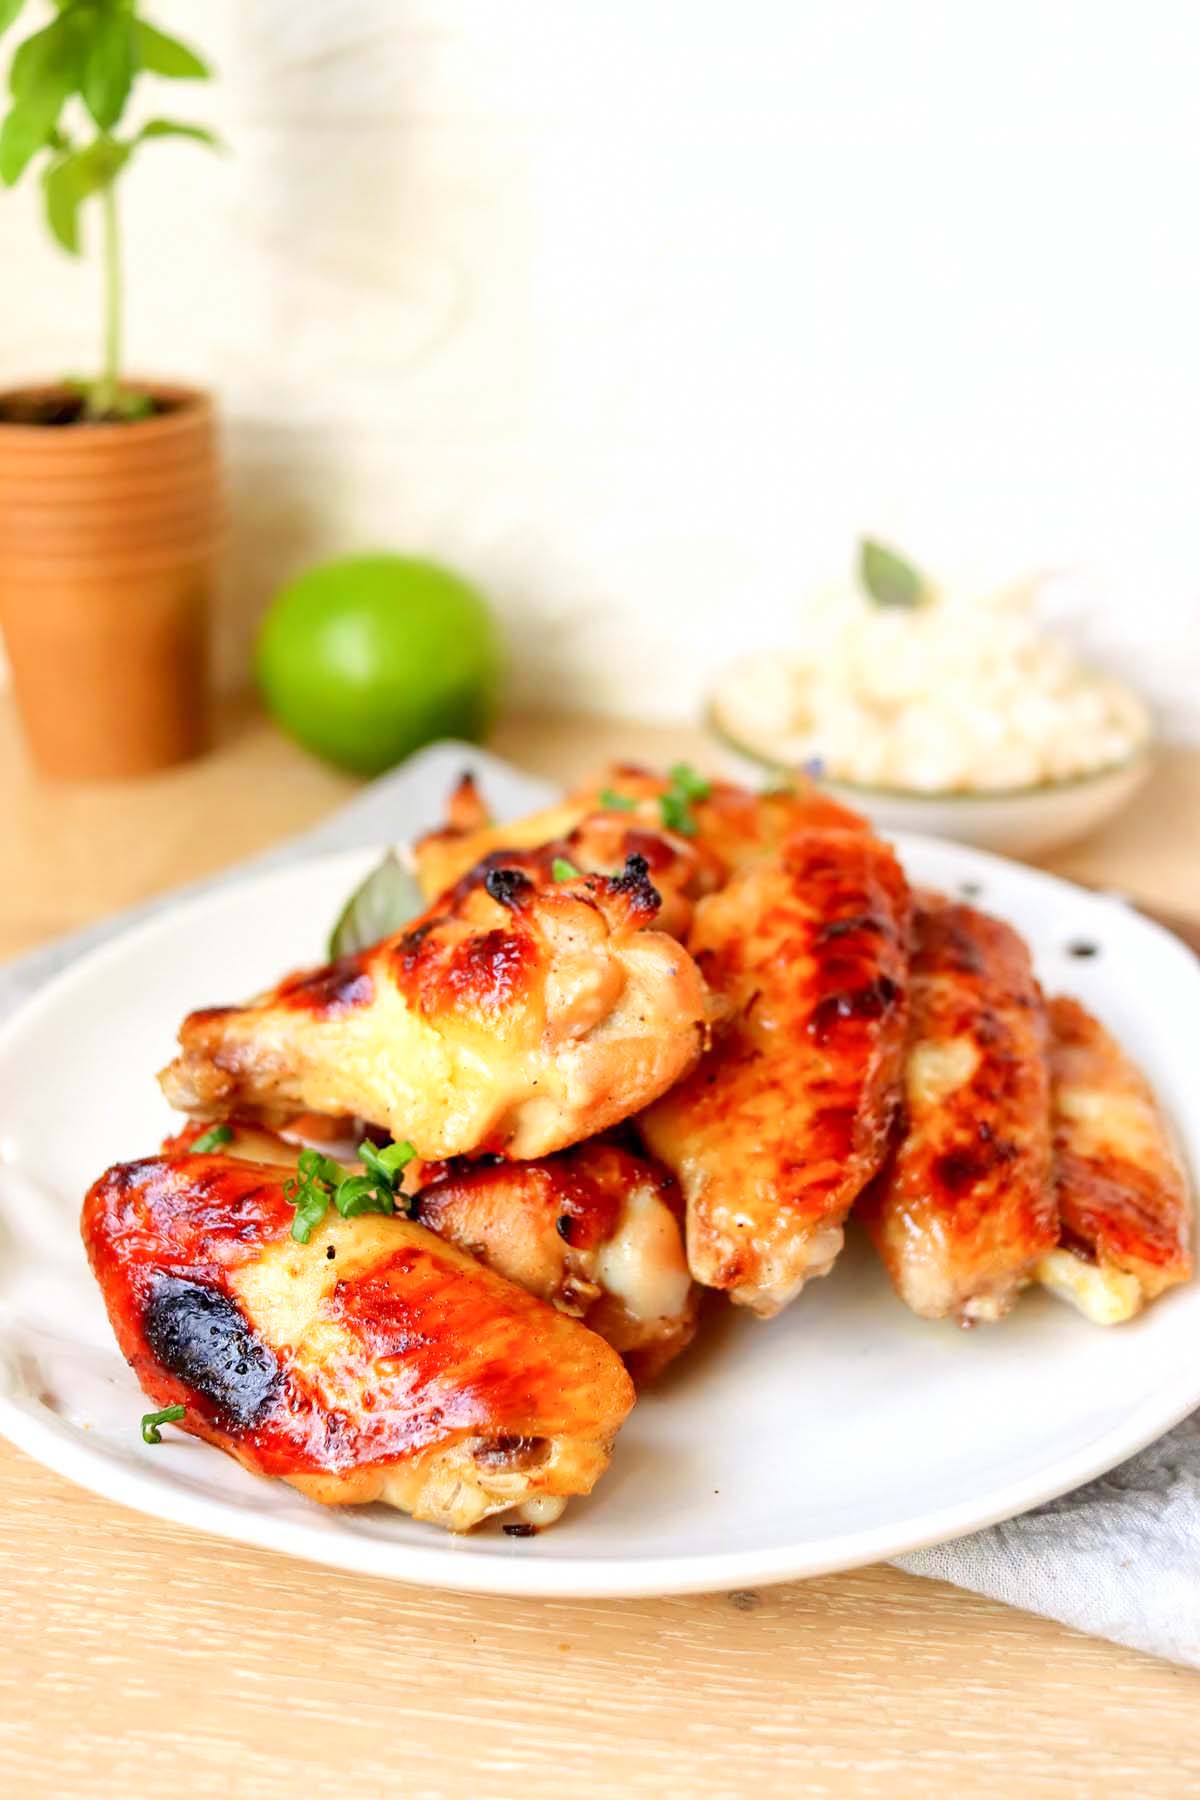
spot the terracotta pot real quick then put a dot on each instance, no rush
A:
(108, 546)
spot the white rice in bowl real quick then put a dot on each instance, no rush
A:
(963, 693)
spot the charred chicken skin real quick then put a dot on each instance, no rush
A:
(1122, 1197)
(786, 1118)
(964, 1210)
(375, 1362)
(515, 1018)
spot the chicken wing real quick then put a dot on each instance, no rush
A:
(963, 1212)
(517, 1019)
(375, 1362)
(621, 813)
(786, 1118)
(442, 856)
(1121, 1192)
(595, 1231)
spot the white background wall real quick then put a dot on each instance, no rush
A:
(641, 311)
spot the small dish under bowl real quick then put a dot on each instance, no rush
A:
(1009, 821)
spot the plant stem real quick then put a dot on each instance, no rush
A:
(104, 394)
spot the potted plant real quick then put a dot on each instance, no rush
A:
(109, 490)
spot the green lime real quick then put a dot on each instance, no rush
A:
(367, 658)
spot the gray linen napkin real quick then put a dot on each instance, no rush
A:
(1119, 1558)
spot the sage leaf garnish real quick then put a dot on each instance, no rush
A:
(386, 900)
(888, 579)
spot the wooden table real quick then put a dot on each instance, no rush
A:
(138, 1658)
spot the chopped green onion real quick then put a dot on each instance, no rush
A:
(614, 802)
(677, 814)
(319, 1180)
(363, 1193)
(212, 1139)
(383, 1170)
(562, 870)
(310, 1191)
(166, 1415)
(675, 805)
(387, 1163)
(689, 782)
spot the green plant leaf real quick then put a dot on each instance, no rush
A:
(387, 899)
(61, 194)
(8, 12)
(109, 67)
(44, 71)
(163, 55)
(131, 404)
(21, 136)
(888, 579)
(72, 179)
(167, 128)
(44, 59)
(161, 128)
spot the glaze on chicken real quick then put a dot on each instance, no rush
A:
(964, 1212)
(596, 1231)
(1119, 1187)
(515, 1018)
(377, 1362)
(620, 813)
(786, 1118)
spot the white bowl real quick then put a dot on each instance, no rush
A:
(1009, 821)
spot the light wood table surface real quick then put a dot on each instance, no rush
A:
(137, 1658)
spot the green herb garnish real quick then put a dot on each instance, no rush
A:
(689, 781)
(212, 1139)
(386, 1163)
(310, 1191)
(167, 1415)
(382, 1190)
(562, 870)
(888, 579)
(611, 801)
(675, 806)
(319, 1179)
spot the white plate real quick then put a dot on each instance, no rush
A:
(842, 1432)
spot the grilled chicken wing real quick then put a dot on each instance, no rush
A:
(595, 1231)
(786, 1118)
(1122, 1196)
(375, 1362)
(620, 814)
(963, 1212)
(515, 1019)
(443, 856)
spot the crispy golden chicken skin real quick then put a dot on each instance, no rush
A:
(964, 1211)
(375, 1362)
(514, 1019)
(444, 855)
(784, 1120)
(733, 826)
(619, 814)
(1121, 1192)
(596, 1231)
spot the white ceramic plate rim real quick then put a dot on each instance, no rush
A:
(505, 1570)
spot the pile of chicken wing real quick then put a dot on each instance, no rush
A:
(660, 1038)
